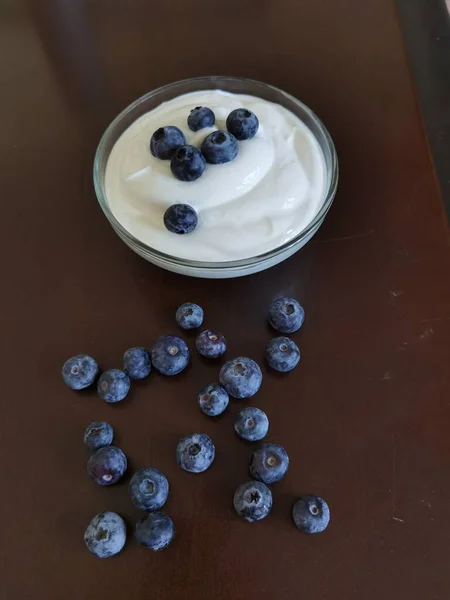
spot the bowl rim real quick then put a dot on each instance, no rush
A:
(221, 265)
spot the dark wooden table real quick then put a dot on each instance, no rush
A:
(365, 417)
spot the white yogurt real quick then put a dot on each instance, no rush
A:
(262, 199)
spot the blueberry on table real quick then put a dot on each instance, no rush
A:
(220, 147)
(201, 117)
(241, 377)
(253, 501)
(269, 463)
(80, 371)
(106, 534)
(282, 354)
(311, 514)
(155, 531)
(136, 362)
(210, 344)
(189, 316)
(170, 355)
(242, 123)
(286, 315)
(113, 385)
(213, 400)
(195, 452)
(149, 489)
(180, 219)
(107, 465)
(98, 435)
(188, 163)
(165, 141)
(251, 424)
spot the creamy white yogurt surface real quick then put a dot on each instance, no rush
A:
(262, 199)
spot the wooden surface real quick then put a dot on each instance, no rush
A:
(365, 417)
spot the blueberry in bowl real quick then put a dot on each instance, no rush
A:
(220, 147)
(201, 117)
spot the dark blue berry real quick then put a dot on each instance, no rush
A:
(311, 514)
(170, 355)
(98, 435)
(286, 315)
(269, 463)
(282, 354)
(149, 489)
(107, 465)
(210, 344)
(213, 400)
(80, 371)
(195, 452)
(113, 385)
(201, 117)
(180, 219)
(106, 534)
(189, 316)
(155, 531)
(220, 147)
(242, 123)
(165, 141)
(188, 163)
(253, 501)
(251, 424)
(241, 377)
(136, 362)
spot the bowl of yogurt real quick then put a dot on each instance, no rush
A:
(253, 212)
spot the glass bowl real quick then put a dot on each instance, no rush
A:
(235, 268)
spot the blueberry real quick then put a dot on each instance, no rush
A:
(80, 371)
(107, 465)
(253, 501)
(242, 123)
(170, 354)
(180, 219)
(136, 362)
(195, 452)
(201, 117)
(113, 385)
(98, 435)
(241, 377)
(213, 400)
(189, 316)
(251, 424)
(106, 534)
(286, 315)
(210, 344)
(165, 141)
(311, 514)
(282, 354)
(220, 147)
(269, 463)
(188, 163)
(155, 531)
(149, 489)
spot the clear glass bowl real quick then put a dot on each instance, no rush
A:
(235, 268)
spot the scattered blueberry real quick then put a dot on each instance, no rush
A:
(189, 316)
(311, 514)
(269, 463)
(210, 344)
(165, 141)
(253, 501)
(220, 147)
(286, 315)
(98, 435)
(195, 452)
(113, 385)
(242, 123)
(106, 534)
(251, 424)
(282, 354)
(241, 377)
(201, 117)
(136, 362)
(80, 371)
(149, 489)
(188, 163)
(107, 465)
(213, 400)
(155, 531)
(180, 219)
(170, 354)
